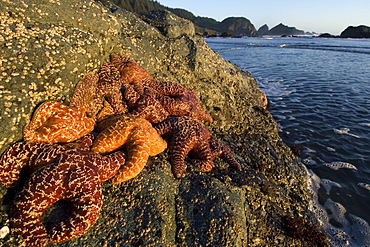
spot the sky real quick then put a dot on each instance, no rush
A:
(320, 16)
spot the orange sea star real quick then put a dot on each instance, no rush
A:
(54, 122)
(138, 137)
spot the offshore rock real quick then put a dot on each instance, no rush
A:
(356, 32)
(46, 46)
(282, 29)
(238, 26)
(263, 30)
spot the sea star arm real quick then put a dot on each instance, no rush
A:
(85, 212)
(164, 128)
(131, 95)
(109, 165)
(30, 205)
(165, 87)
(143, 142)
(131, 73)
(149, 108)
(55, 122)
(84, 94)
(65, 127)
(25, 155)
(82, 144)
(113, 136)
(137, 153)
(40, 116)
(223, 151)
(157, 144)
(85, 199)
(178, 154)
(175, 107)
(202, 156)
(109, 86)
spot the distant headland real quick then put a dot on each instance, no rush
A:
(233, 26)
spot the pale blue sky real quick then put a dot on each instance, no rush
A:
(321, 16)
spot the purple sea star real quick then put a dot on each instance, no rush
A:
(67, 173)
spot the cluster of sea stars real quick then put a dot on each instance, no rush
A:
(131, 112)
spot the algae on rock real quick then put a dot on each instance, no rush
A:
(47, 45)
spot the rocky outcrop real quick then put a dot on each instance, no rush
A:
(327, 35)
(46, 46)
(263, 30)
(356, 32)
(282, 29)
(238, 26)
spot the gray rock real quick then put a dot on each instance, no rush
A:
(46, 46)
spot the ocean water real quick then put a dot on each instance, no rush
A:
(319, 91)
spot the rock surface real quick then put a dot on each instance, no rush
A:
(47, 45)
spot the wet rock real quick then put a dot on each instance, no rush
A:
(45, 48)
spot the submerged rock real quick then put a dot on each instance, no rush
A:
(46, 46)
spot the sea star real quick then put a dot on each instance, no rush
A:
(72, 175)
(177, 100)
(189, 136)
(55, 122)
(138, 137)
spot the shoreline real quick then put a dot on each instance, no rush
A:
(258, 206)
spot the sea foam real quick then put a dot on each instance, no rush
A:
(343, 228)
(338, 165)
